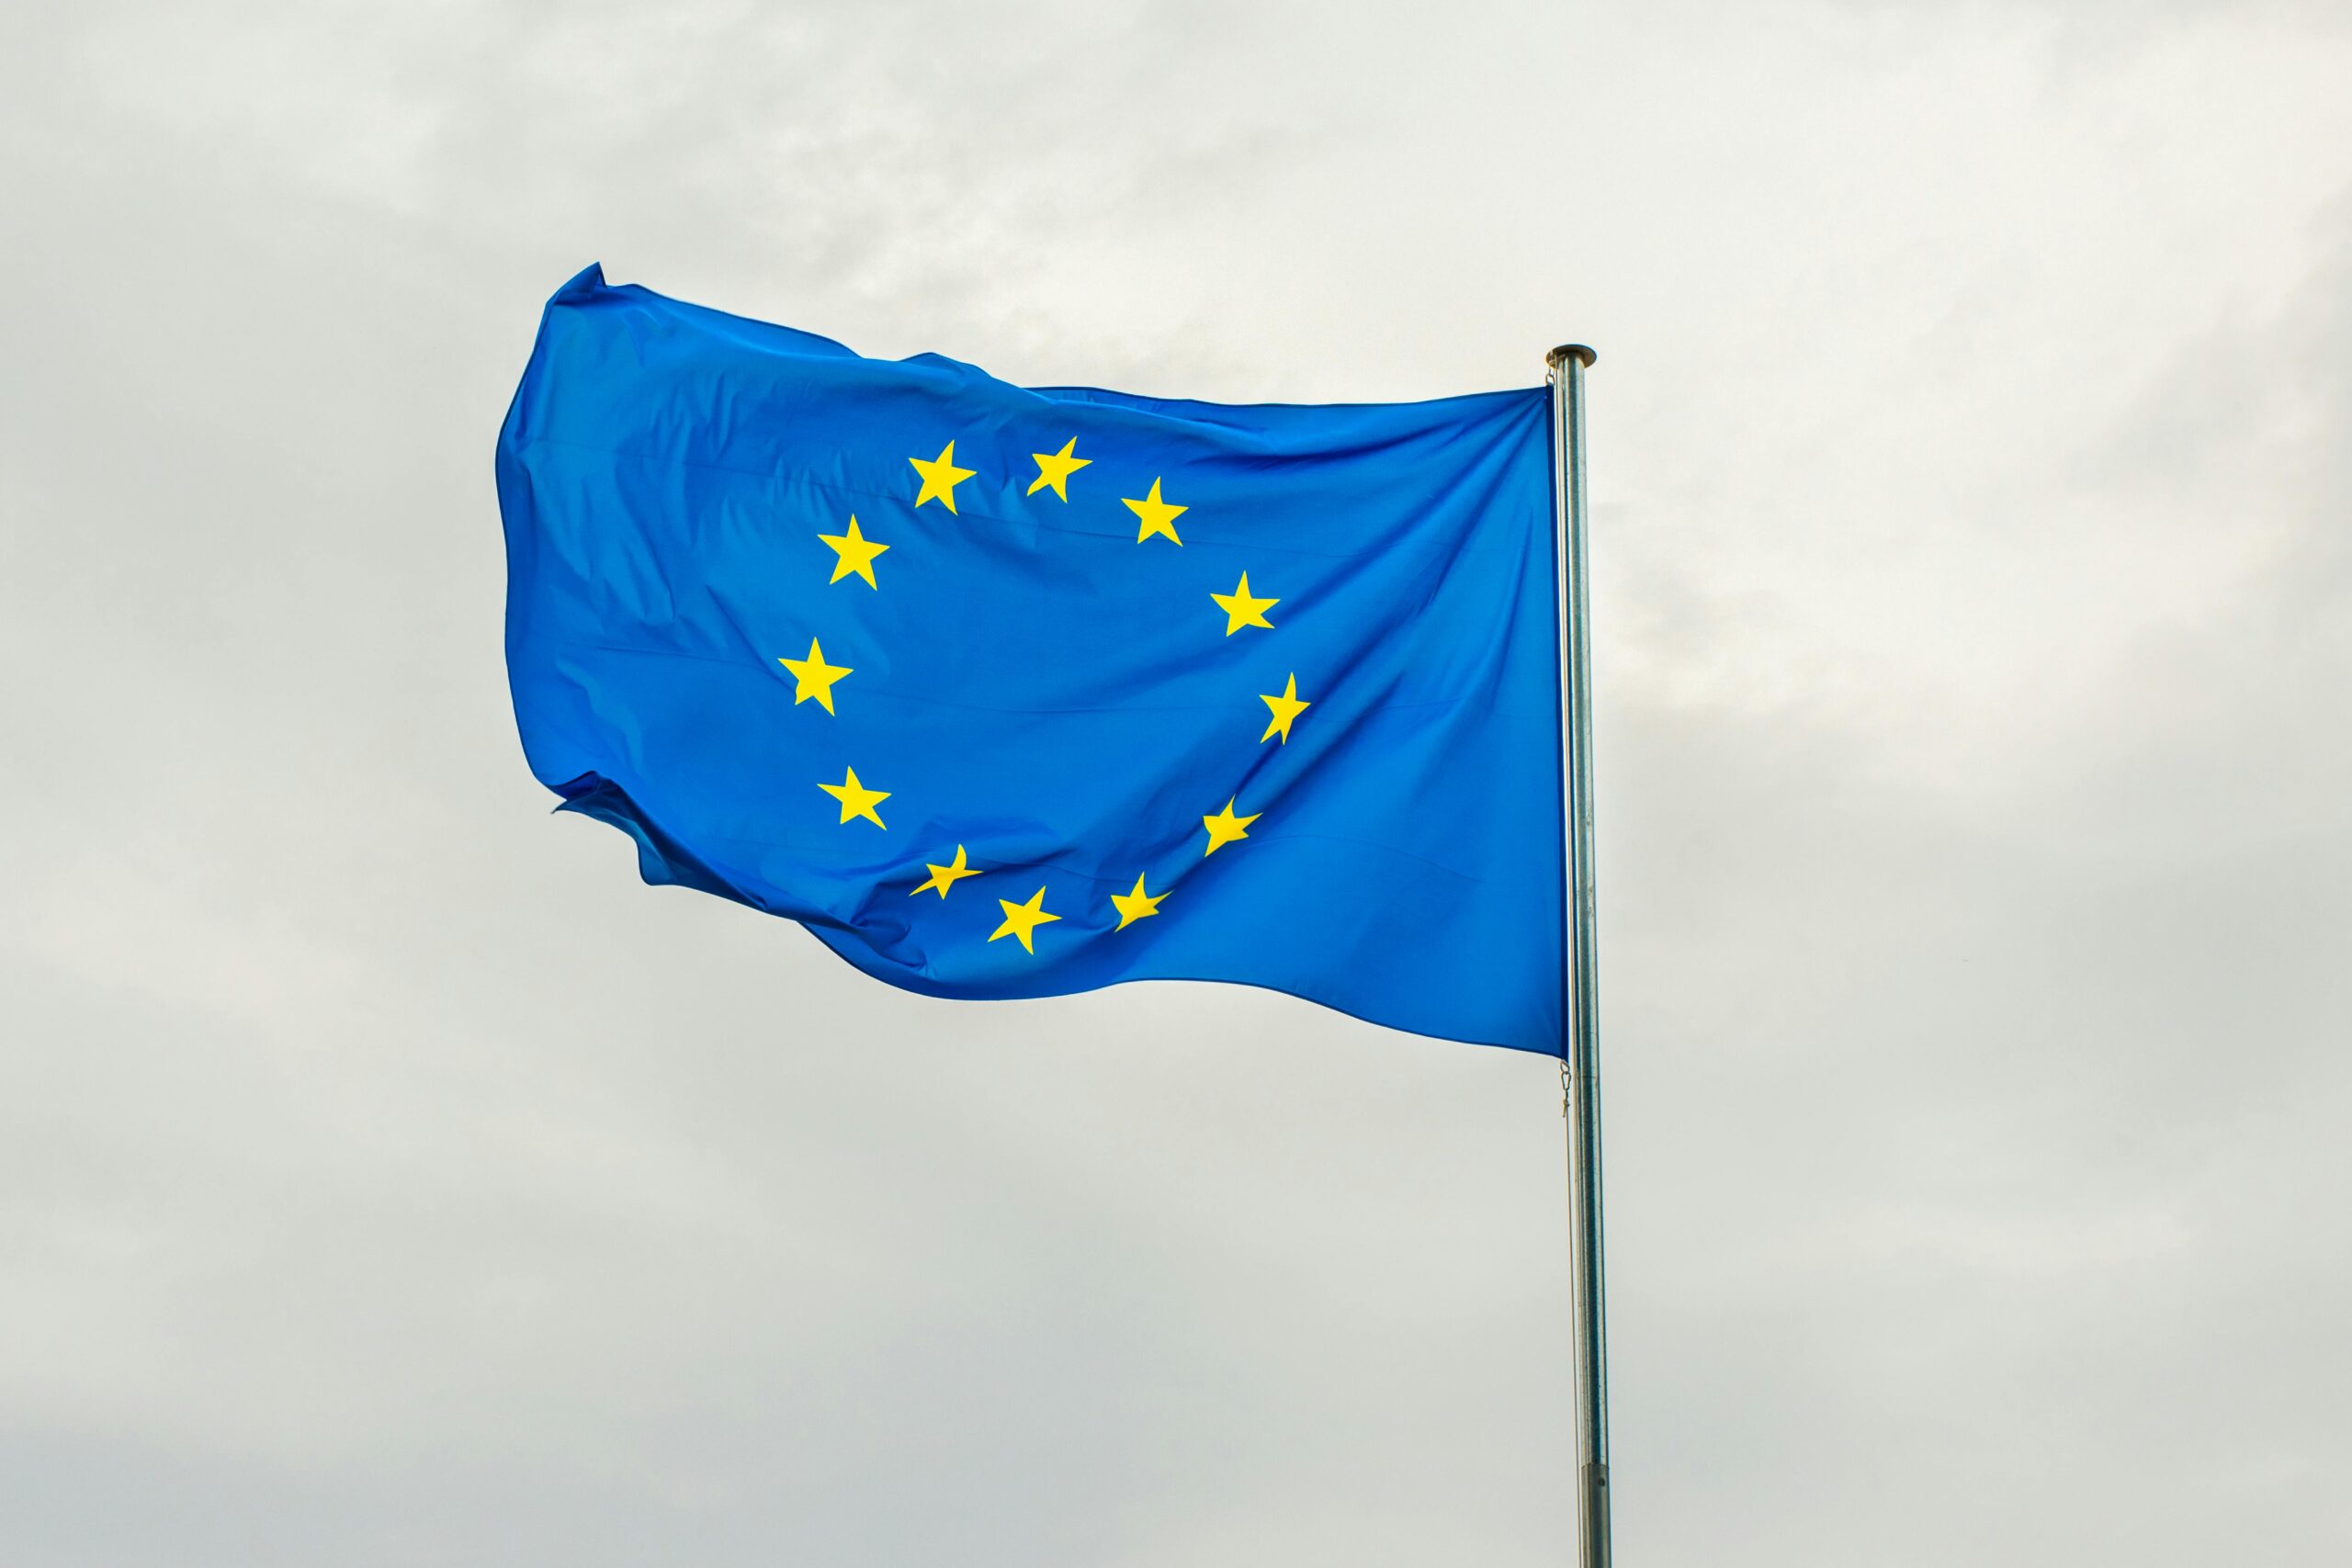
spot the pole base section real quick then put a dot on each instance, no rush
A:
(1593, 1518)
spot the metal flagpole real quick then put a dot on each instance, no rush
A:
(1581, 1063)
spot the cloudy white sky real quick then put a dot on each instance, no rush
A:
(386, 1178)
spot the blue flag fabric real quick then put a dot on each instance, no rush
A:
(1006, 692)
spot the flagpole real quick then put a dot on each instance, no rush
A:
(1580, 1059)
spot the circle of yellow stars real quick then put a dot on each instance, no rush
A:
(814, 678)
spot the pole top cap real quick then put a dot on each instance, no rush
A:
(1568, 350)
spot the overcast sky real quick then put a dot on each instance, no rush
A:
(387, 1176)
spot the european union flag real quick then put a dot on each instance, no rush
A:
(1006, 692)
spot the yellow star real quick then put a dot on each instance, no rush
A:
(1158, 516)
(1055, 469)
(815, 678)
(940, 475)
(943, 878)
(1020, 919)
(1285, 707)
(1240, 609)
(1135, 906)
(856, 552)
(856, 799)
(1224, 828)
